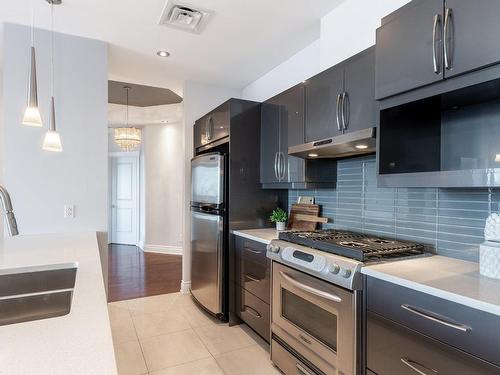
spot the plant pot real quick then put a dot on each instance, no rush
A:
(280, 226)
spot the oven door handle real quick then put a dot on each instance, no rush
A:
(309, 289)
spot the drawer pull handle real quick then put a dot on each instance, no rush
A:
(302, 370)
(252, 311)
(309, 289)
(252, 250)
(437, 319)
(305, 339)
(413, 365)
(252, 278)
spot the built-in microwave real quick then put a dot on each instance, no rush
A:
(449, 139)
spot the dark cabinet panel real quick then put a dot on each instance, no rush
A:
(255, 277)
(393, 349)
(256, 313)
(359, 103)
(213, 126)
(323, 93)
(471, 35)
(269, 143)
(409, 48)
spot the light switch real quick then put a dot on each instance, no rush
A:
(69, 211)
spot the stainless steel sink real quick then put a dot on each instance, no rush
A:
(33, 293)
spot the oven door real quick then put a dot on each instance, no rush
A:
(316, 319)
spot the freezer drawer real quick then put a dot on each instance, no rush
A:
(207, 263)
(207, 180)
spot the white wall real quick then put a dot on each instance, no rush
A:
(41, 182)
(350, 28)
(163, 157)
(198, 100)
(297, 68)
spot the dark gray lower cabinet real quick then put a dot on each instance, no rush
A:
(393, 349)
(253, 289)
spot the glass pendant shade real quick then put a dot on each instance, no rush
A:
(52, 140)
(32, 113)
(128, 138)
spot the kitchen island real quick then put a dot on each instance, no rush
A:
(77, 343)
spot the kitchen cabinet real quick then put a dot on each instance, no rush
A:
(212, 127)
(253, 292)
(341, 99)
(282, 126)
(427, 41)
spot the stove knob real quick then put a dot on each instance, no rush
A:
(345, 272)
(334, 268)
(273, 248)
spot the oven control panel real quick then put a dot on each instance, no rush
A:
(333, 268)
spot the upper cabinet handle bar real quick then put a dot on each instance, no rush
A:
(443, 321)
(339, 99)
(436, 63)
(448, 38)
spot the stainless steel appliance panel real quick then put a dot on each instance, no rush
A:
(207, 251)
(207, 180)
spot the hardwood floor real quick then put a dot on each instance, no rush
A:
(134, 273)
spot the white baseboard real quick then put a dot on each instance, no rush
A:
(140, 245)
(185, 287)
(173, 250)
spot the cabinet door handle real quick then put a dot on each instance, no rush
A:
(283, 166)
(337, 117)
(435, 45)
(301, 369)
(448, 38)
(413, 365)
(252, 311)
(441, 320)
(252, 278)
(252, 250)
(276, 165)
(346, 110)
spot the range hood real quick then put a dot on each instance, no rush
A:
(359, 142)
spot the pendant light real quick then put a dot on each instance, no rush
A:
(32, 113)
(127, 138)
(52, 139)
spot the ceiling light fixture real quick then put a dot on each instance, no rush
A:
(32, 115)
(52, 139)
(163, 53)
(361, 147)
(127, 138)
(312, 155)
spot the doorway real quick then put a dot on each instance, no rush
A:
(124, 198)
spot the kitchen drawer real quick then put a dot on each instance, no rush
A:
(256, 313)
(287, 362)
(463, 327)
(393, 349)
(252, 250)
(255, 277)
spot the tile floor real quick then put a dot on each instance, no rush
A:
(168, 334)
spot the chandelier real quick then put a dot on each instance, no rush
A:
(127, 138)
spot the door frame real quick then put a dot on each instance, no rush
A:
(111, 157)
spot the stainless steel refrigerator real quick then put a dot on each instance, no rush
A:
(208, 215)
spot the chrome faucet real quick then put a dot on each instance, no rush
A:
(8, 212)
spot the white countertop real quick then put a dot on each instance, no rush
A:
(77, 343)
(264, 235)
(452, 279)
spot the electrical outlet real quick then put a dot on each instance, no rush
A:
(69, 211)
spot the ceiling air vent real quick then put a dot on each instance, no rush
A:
(184, 17)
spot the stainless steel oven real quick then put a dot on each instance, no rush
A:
(313, 324)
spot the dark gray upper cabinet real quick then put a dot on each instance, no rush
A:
(323, 93)
(282, 126)
(471, 35)
(359, 105)
(213, 126)
(408, 48)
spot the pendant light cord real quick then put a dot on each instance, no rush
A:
(32, 24)
(127, 88)
(52, 49)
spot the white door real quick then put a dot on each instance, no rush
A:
(124, 200)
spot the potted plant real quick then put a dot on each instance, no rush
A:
(279, 217)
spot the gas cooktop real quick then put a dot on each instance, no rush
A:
(353, 245)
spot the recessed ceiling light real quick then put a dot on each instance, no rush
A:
(312, 155)
(361, 147)
(163, 53)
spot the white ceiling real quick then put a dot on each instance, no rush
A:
(243, 39)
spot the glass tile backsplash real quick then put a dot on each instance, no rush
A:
(449, 221)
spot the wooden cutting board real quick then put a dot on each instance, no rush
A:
(303, 209)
